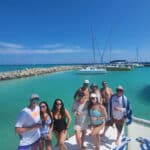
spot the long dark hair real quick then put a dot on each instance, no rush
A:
(47, 110)
(62, 110)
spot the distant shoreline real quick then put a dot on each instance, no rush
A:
(34, 72)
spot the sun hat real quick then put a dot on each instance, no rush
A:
(93, 95)
(34, 97)
(86, 81)
(120, 88)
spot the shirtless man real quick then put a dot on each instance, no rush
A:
(106, 94)
(84, 89)
(94, 89)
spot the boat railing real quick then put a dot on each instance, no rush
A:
(140, 128)
(142, 121)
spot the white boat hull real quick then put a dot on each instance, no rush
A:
(92, 71)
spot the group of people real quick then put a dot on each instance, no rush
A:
(92, 106)
(103, 108)
(36, 123)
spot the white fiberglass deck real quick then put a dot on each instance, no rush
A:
(107, 141)
(139, 128)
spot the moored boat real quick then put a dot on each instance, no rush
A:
(118, 68)
(92, 70)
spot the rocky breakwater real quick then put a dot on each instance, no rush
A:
(33, 72)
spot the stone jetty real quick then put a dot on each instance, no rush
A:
(34, 72)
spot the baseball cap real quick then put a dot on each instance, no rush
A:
(86, 81)
(93, 95)
(93, 85)
(34, 97)
(104, 82)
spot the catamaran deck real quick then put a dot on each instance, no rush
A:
(139, 128)
(107, 141)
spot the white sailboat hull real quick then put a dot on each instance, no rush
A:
(89, 70)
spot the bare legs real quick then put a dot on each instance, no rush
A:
(80, 138)
(61, 137)
(47, 143)
(119, 125)
(95, 136)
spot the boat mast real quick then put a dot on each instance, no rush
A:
(93, 45)
(137, 55)
(110, 45)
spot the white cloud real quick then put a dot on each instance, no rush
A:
(16, 49)
(40, 51)
(10, 45)
(57, 45)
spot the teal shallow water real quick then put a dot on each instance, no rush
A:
(15, 93)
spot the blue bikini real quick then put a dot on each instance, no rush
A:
(96, 113)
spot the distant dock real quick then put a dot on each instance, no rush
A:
(146, 64)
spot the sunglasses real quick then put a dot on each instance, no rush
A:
(34, 101)
(119, 90)
(93, 97)
(58, 103)
(42, 106)
(104, 84)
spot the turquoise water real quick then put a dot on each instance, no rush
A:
(15, 94)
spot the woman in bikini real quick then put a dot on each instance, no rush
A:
(46, 126)
(97, 113)
(62, 120)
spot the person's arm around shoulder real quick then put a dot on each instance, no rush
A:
(67, 114)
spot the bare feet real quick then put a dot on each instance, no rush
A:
(96, 148)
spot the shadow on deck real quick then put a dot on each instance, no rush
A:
(107, 141)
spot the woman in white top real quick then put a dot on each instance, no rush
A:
(46, 127)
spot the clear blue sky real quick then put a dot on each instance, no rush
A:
(59, 31)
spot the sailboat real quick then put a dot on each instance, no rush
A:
(137, 64)
(93, 69)
(116, 65)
